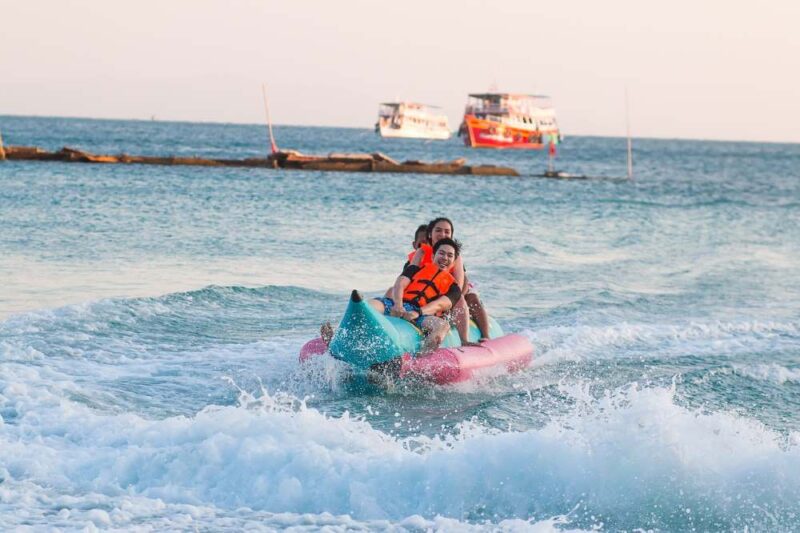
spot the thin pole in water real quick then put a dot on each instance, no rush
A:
(628, 133)
(2, 150)
(273, 147)
(551, 154)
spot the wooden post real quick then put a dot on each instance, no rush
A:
(551, 154)
(2, 150)
(272, 146)
(628, 133)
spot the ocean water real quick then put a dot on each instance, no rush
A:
(151, 317)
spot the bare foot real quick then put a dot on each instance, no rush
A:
(326, 332)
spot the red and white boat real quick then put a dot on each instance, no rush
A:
(506, 120)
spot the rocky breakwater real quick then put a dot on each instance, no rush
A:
(285, 159)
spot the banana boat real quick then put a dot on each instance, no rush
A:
(367, 340)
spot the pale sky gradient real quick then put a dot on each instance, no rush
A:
(694, 69)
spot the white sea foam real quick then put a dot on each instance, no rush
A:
(782, 257)
(769, 372)
(271, 452)
(35, 506)
(577, 343)
(631, 453)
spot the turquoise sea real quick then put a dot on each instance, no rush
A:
(151, 317)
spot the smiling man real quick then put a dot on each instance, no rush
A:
(422, 294)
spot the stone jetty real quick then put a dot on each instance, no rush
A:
(285, 159)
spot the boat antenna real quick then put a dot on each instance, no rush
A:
(628, 133)
(272, 146)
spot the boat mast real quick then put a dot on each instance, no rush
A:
(628, 133)
(273, 147)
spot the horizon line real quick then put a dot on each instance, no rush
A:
(567, 136)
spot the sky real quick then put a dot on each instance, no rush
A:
(694, 69)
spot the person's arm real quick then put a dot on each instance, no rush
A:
(398, 289)
(461, 314)
(390, 291)
(440, 304)
(418, 255)
(458, 272)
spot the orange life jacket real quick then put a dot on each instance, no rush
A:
(429, 283)
(427, 257)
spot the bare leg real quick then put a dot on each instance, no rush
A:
(326, 332)
(478, 313)
(377, 305)
(461, 317)
(435, 329)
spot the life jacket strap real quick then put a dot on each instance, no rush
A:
(422, 297)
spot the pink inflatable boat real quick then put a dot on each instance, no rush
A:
(370, 342)
(505, 354)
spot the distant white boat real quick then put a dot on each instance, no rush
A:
(411, 121)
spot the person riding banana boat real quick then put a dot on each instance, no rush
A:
(470, 304)
(422, 294)
(407, 332)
